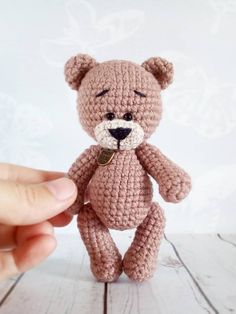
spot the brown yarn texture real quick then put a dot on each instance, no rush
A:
(120, 193)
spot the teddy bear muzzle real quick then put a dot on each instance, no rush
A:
(119, 134)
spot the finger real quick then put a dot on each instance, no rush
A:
(34, 243)
(7, 236)
(61, 220)
(8, 233)
(22, 204)
(24, 233)
(27, 255)
(26, 175)
(11, 236)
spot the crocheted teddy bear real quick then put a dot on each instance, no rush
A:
(119, 105)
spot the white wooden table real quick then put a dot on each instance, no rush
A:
(196, 274)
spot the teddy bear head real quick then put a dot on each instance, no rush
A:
(119, 102)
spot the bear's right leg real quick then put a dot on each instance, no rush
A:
(106, 261)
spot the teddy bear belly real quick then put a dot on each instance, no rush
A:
(121, 193)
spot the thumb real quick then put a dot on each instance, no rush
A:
(23, 204)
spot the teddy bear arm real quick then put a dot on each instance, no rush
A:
(81, 172)
(174, 183)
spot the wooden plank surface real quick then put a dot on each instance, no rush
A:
(171, 291)
(6, 286)
(62, 284)
(196, 274)
(212, 263)
(229, 238)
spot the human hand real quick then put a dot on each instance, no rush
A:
(31, 203)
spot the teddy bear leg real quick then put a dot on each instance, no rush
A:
(139, 262)
(106, 261)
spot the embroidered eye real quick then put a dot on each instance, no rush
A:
(103, 92)
(139, 93)
(128, 116)
(110, 116)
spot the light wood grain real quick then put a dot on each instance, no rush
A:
(62, 284)
(196, 274)
(229, 238)
(212, 262)
(6, 286)
(171, 291)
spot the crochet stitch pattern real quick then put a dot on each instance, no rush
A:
(119, 106)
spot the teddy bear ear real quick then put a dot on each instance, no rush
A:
(162, 70)
(76, 68)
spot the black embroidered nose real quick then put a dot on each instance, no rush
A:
(120, 133)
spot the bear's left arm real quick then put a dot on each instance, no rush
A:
(174, 183)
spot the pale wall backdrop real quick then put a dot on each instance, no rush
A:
(38, 121)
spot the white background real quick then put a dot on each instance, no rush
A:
(38, 120)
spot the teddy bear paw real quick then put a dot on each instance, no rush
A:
(176, 192)
(108, 270)
(139, 268)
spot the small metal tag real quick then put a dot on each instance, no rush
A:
(105, 156)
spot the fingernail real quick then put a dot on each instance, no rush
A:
(61, 189)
